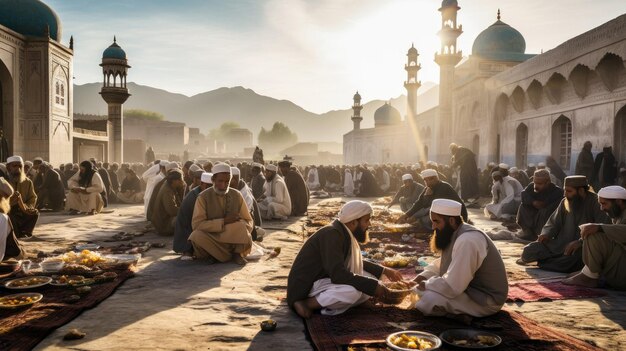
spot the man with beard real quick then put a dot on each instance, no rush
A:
(435, 189)
(510, 197)
(539, 200)
(298, 191)
(131, 189)
(469, 279)
(407, 195)
(183, 229)
(465, 160)
(51, 193)
(167, 203)
(584, 164)
(558, 248)
(257, 184)
(276, 202)
(329, 273)
(604, 245)
(23, 213)
(169, 167)
(521, 177)
(221, 222)
(85, 188)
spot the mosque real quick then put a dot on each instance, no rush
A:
(36, 89)
(505, 104)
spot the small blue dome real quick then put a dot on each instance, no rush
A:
(114, 52)
(30, 17)
(499, 41)
(386, 115)
(448, 3)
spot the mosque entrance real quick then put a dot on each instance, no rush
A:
(620, 137)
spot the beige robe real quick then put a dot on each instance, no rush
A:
(213, 238)
(85, 202)
(277, 202)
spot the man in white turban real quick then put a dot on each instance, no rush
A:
(469, 278)
(604, 245)
(329, 273)
(276, 202)
(408, 193)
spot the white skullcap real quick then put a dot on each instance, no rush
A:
(612, 192)
(407, 177)
(235, 171)
(531, 165)
(446, 207)
(503, 166)
(256, 164)
(513, 170)
(5, 188)
(170, 166)
(271, 167)
(221, 168)
(206, 178)
(541, 164)
(28, 163)
(15, 159)
(347, 170)
(194, 167)
(354, 209)
(414, 167)
(38, 159)
(163, 163)
(429, 173)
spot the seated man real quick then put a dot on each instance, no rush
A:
(312, 179)
(168, 202)
(540, 198)
(276, 202)
(506, 196)
(51, 192)
(85, 188)
(298, 191)
(604, 245)
(435, 189)
(469, 278)
(237, 183)
(9, 245)
(257, 183)
(131, 189)
(221, 222)
(559, 248)
(408, 193)
(183, 228)
(23, 213)
(329, 272)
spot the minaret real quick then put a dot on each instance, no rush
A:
(412, 84)
(356, 115)
(447, 59)
(114, 92)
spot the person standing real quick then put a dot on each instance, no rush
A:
(298, 191)
(584, 163)
(465, 160)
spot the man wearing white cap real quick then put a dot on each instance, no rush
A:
(169, 167)
(604, 245)
(408, 193)
(506, 195)
(183, 228)
(167, 202)
(329, 273)
(469, 278)
(521, 177)
(151, 177)
(435, 189)
(23, 213)
(257, 183)
(221, 221)
(276, 203)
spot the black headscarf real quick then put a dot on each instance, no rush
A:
(84, 179)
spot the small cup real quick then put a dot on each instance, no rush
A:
(26, 266)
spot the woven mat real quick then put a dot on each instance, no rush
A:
(367, 327)
(23, 328)
(534, 290)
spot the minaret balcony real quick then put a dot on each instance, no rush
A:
(448, 59)
(413, 67)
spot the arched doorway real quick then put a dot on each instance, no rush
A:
(6, 111)
(562, 141)
(521, 146)
(620, 136)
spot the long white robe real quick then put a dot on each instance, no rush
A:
(277, 202)
(313, 179)
(151, 176)
(348, 184)
(446, 293)
(85, 202)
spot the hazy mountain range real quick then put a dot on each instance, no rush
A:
(210, 109)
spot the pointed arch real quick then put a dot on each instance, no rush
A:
(579, 77)
(535, 93)
(554, 88)
(562, 141)
(609, 69)
(517, 99)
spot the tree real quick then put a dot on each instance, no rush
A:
(221, 132)
(279, 137)
(143, 114)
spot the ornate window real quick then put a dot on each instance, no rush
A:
(562, 141)
(59, 91)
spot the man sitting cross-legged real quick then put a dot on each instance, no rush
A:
(604, 245)
(329, 273)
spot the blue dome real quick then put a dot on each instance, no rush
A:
(500, 42)
(386, 115)
(114, 52)
(447, 3)
(30, 17)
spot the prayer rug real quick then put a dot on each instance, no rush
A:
(368, 326)
(23, 328)
(538, 290)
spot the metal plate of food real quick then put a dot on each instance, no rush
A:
(409, 340)
(470, 338)
(27, 282)
(19, 300)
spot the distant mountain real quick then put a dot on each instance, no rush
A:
(210, 109)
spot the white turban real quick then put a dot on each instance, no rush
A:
(407, 177)
(5, 188)
(221, 168)
(271, 167)
(503, 166)
(38, 159)
(170, 166)
(354, 209)
(28, 164)
(256, 164)
(235, 171)
(513, 170)
(163, 163)
(612, 192)
(429, 173)
(194, 167)
(206, 178)
(446, 207)
(15, 159)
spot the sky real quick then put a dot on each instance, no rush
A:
(315, 53)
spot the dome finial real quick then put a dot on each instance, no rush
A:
(498, 14)
(72, 42)
(114, 39)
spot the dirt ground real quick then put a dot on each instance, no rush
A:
(183, 305)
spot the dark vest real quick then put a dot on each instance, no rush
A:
(490, 280)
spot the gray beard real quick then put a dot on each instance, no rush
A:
(19, 178)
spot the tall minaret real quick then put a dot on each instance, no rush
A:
(447, 59)
(412, 84)
(356, 107)
(114, 92)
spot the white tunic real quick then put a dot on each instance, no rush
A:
(277, 202)
(348, 184)
(152, 176)
(85, 202)
(313, 179)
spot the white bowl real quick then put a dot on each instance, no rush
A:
(52, 265)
